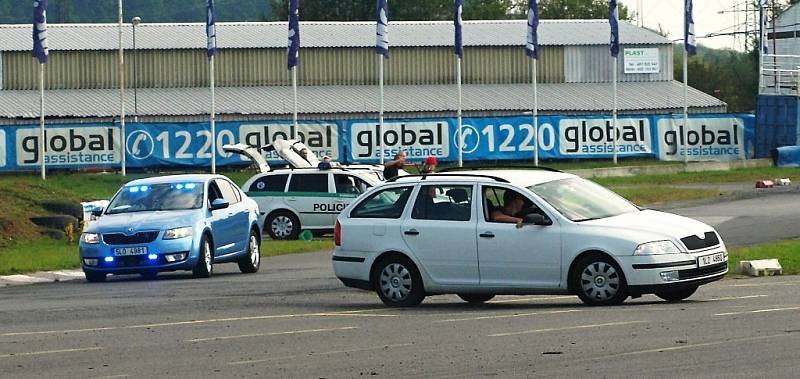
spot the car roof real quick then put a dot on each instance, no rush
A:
(174, 178)
(517, 177)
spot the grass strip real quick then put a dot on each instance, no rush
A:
(787, 252)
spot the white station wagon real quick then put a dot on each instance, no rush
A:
(448, 233)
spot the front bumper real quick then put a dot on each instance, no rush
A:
(133, 264)
(654, 273)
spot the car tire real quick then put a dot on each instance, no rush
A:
(476, 298)
(677, 295)
(397, 281)
(95, 277)
(205, 260)
(283, 225)
(598, 280)
(251, 261)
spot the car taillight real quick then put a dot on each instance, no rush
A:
(337, 234)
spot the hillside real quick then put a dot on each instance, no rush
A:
(93, 11)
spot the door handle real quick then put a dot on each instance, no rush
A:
(291, 199)
(487, 235)
(411, 232)
(230, 214)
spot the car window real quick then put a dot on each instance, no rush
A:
(214, 192)
(581, 200)
(270, 183)
(388, 203)
(449, 203)
(349, 184)
(227, 190)
(494, 201)
(309, 183)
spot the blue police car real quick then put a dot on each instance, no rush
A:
(170, 223)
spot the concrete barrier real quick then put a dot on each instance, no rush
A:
(676, 168)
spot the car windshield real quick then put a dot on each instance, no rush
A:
(581, 200)
(157, 197)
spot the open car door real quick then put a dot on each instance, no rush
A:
(250, 152)
(290, 151)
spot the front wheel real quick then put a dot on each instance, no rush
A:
(205, 260)
(250, 263)
(476, 298)
(677, 295)
(397, 282)
(283, 225)
(598, 280)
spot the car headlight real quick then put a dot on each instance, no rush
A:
(656, 248)
(91, 238)
(176, 233)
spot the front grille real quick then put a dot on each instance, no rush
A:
(701, 272)
(697, 243)
(124, 239)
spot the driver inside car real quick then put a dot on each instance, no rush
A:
(512, 205)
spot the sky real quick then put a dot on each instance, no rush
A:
(669, 14)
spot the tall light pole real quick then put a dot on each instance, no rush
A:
(135, 22)
(123, 143)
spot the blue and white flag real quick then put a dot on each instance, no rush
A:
(613, 20)
(532, 47)
(762, 6)
(294, 33)
(211, 29)
(689, 41)
(40, 31)
(457, 22)
(382, 29)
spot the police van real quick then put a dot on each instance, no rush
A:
(302, 196)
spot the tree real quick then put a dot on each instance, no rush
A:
(407, 10)
(578, 9)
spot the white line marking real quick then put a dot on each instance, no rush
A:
(566, 328)
(508, 316)
(692, 346)
(192, 322)
(271, 334)
(733, 298)
(50, 352)
(332, 352)
(766, 284)
(531, 299)
(757, 311)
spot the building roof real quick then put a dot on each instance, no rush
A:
(243, 35)
(562, 98)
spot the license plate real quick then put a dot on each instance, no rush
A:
(126, 251)
(712, 259)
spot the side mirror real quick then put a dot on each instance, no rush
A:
(536, 219)
(97, 211)
(219, 204)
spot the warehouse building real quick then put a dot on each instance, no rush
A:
(167, 74)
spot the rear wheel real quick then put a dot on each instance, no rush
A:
(95, 277)
(476, 298)
(598, 280)
(677, 295)
(397, 282)
(283, 225)
(251, 261)
(205, 260)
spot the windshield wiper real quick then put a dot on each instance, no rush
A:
(588, 219)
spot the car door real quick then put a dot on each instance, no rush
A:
(221, 225)
(238, 214)
(527, 257)
(440, 231)
(309, 194)
(347, 188)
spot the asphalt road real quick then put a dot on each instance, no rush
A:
(294, 319)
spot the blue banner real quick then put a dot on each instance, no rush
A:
(715, 137)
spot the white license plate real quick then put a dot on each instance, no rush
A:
(126, 251)
(712, 259)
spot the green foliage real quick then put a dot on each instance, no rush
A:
(408, 10)
(729, 75)
(579, 9)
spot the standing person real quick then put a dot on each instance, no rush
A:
(390, 168)
(429, 166)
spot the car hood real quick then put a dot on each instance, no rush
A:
(158, 220)
(650, 225)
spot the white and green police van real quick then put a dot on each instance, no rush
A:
(302, 196)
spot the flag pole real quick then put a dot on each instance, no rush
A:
(42, 140)
(123, 142)
(294, 95)
(460, 123)
(212, 74)
(535, 113)
(614, 115)
(380, 113)
(685, 106)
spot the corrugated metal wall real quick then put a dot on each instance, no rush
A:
(267, 67)
(593, 64)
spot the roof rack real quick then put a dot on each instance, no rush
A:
(291, 168)
(452, 169)
(495, 178)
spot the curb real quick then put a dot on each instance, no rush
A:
(605, 172)
(41, 277)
